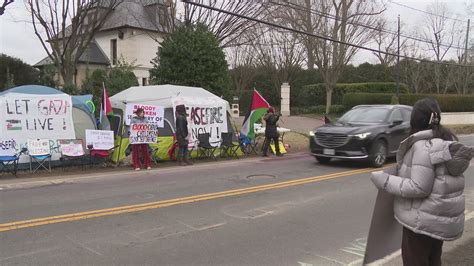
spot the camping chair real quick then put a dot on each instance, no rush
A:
(39, 151)
(9, 162)
(205, 148)
(248, 146)
(229, 148)
(154, 152)
(71, 150)
(96, 155)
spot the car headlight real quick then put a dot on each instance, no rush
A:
(362, 135)
(311, 133)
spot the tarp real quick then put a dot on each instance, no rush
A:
(157, 95)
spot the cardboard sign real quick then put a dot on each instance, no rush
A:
(153, 114)
(205, 115)
(72, 149)
(385, 233)
(100, 139)
(38, 147)
(25, 116)
(7, 147)
(143, 133)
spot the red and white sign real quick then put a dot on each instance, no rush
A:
(154, 114)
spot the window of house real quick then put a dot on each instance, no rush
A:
(113, 51)
(143, 81)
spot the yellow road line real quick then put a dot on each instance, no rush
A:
(166, 203)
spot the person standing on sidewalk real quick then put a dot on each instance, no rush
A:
(271, 132)
(143, 147)
(428, 186)
(182, 135)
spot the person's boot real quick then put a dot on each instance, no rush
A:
(180, 160)
(186, 159)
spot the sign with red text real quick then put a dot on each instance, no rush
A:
(154, 114)
(205, 115)
(24, 116)
(143, 133)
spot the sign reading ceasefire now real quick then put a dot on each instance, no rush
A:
(26, 116)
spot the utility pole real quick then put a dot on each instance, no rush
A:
(464, 89)
(398, 58)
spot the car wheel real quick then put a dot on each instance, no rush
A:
(323, 159)
(378, 156)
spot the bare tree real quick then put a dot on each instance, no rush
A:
(412, 71)
(342, 21)
(243, 66)
(386, 41)
(442, 33)
(227, 28)
(279, 52)
(65, 29)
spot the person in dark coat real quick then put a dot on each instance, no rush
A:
(182, 135)
(271, 132)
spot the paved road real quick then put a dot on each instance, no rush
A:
(289, 211)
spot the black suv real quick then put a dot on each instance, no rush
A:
(366, 132)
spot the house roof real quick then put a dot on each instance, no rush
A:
(92, 55)
(136, 14)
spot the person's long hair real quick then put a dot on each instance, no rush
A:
(426, 114)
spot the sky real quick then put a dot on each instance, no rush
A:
(17, 37)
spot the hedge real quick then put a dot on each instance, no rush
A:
(447, 102)
(316, 94)
(318, 109)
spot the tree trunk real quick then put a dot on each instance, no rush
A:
(329, 89)
(67, 74)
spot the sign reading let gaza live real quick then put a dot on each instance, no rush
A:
(36, 116)
(143, 133)
(154, 114)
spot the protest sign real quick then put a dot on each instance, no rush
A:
(7, 147)
(100, 139)
(24, 116)
(205, 115)
(72, 148)
(143, 133)
(38, 147)
(153, 114)
(385, 233)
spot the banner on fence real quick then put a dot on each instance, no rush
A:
(7, 147)
(24, 116)
(154, 114)
(143, 133)
(205, 115)
(100, 139)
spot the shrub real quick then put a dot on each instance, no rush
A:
(316, 94)
(448, 103)
(318, 109)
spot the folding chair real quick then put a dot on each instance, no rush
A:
(99, 154)
(154, 152)
(39, 151)
(205, 148)
(9, 161)
(71, 150)
(229, 148)
(248, 146)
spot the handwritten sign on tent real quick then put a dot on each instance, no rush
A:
(7, 147)
(24, 116)
(154, 114)
(205, 115)
(143, 133)
(38, 147)
(100, 139)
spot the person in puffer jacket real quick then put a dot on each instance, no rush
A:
(428, 186)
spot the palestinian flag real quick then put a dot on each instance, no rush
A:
(258, 108)
(105, 110)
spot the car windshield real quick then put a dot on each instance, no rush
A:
(365, 115)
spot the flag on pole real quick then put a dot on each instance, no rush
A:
(105, 110)
(258, 108)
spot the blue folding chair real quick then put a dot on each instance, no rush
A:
(39, 151)
(9, 157)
